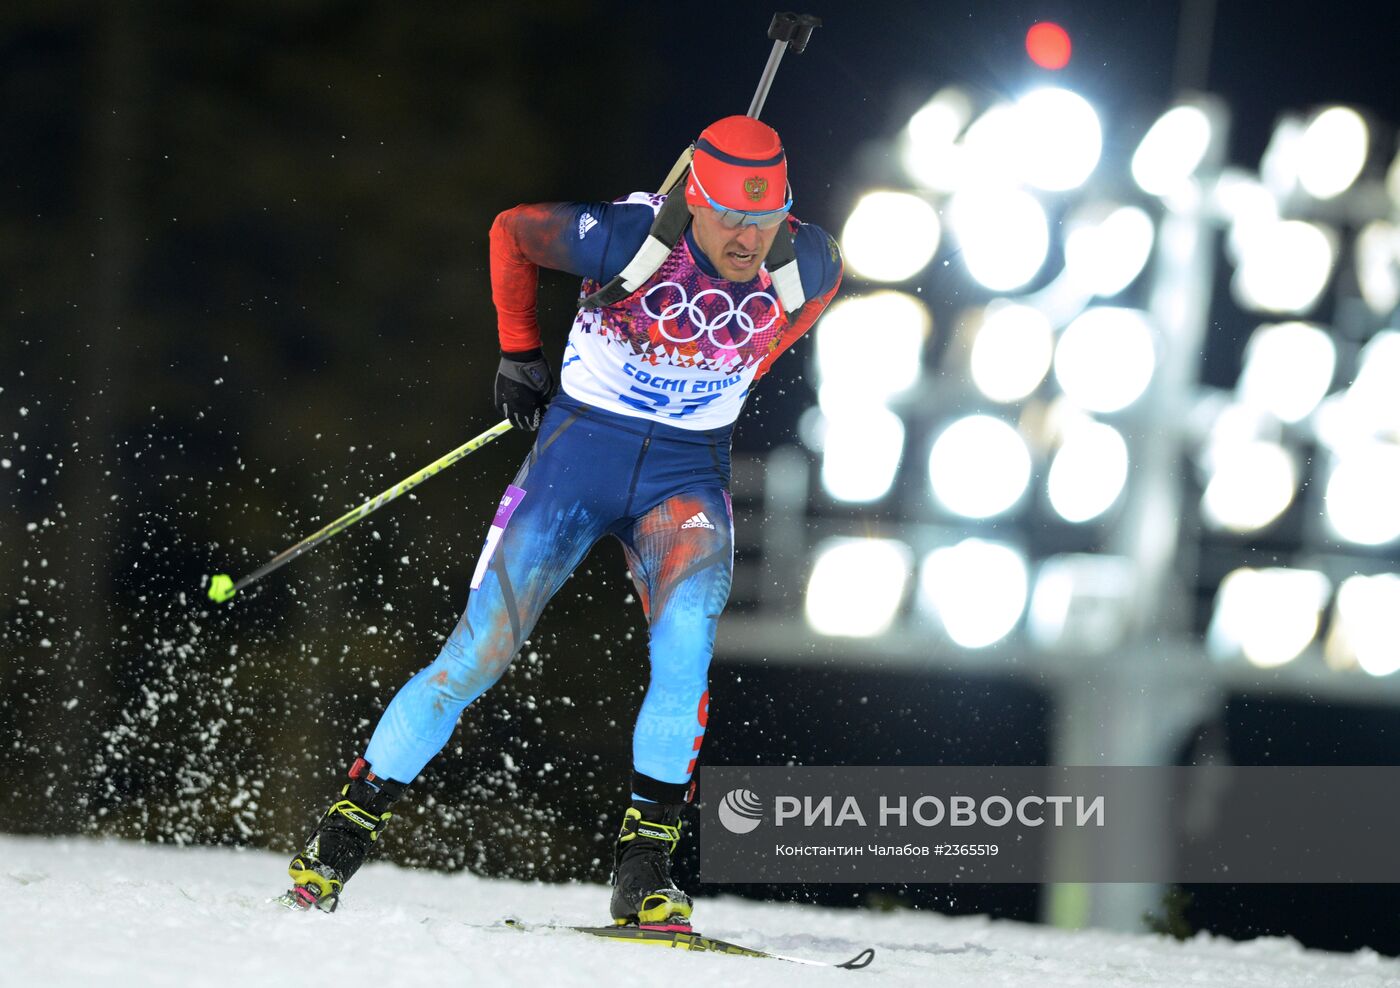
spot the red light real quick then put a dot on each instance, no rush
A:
(1048, 45)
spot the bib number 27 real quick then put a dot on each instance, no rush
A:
(659, 402)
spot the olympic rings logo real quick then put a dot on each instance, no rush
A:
(709, 322)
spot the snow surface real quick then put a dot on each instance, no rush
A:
(115, 914)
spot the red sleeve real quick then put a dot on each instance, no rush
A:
(515, 279)
(588, 239)
(806, 316)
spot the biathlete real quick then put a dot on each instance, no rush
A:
(669, 340)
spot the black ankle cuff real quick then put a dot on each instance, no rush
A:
(656, 791)
(374, 792)
(362, 771)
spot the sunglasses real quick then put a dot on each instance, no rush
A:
(734, 218)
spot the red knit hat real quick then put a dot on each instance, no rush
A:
(739, 161)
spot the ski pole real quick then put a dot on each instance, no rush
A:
(788, 30)
(221, 585)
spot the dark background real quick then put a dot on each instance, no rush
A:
(244, 266)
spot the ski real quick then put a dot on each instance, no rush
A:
(684, 938)
(677, 937)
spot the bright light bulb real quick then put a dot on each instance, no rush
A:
(1105, 358)
(890, 236)
(1284, 268)
(1088, 472)
(1378, 266)
(1248, 205)
(1106, 248)
(979, 466)
(1172, 150)
(1251, 485)
(857, 585)
(1060, 137)
(1363, 493)
(843, 345)
(1287, 369)
(1267, 615)
(861, 453)
(1368, 622)
(931, 154)
(1371, 401)
(992, 147)
(1332, 152)
(1278, 167)
(976, 589)
(1004, 235)
(1011, 352)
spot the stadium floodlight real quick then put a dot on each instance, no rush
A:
(1363, 493)
(1105, 358)
(1251, 484)
(1060, 139)
(1278, 168)
(890, 236)
(1003, 233)
(857, 586)
(1332, 151)
(1269, 616)
(1049, 138)
(1287, 370)
(1089, 470)
(1284, 267)
(992, 147)
(1370, 399)
(931, 155)
(1367, 408)
(1082, 602)
(861, 450)
(1366, 624)
(1107, 247)
(843, 347)
(1172, 150)
(1011, 351)
(1249, 208)
(979, 466)
(976, 590)
(1378, 266)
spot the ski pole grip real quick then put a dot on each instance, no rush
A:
(795, 30)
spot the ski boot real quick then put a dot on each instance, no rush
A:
(643, 892)
(338, 846)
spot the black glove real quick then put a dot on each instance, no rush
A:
(524, 385)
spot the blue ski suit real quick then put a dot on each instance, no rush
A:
(635, 446)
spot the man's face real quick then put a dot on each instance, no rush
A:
(736, 253)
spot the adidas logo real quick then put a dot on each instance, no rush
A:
(586, 222)
(698, 520)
